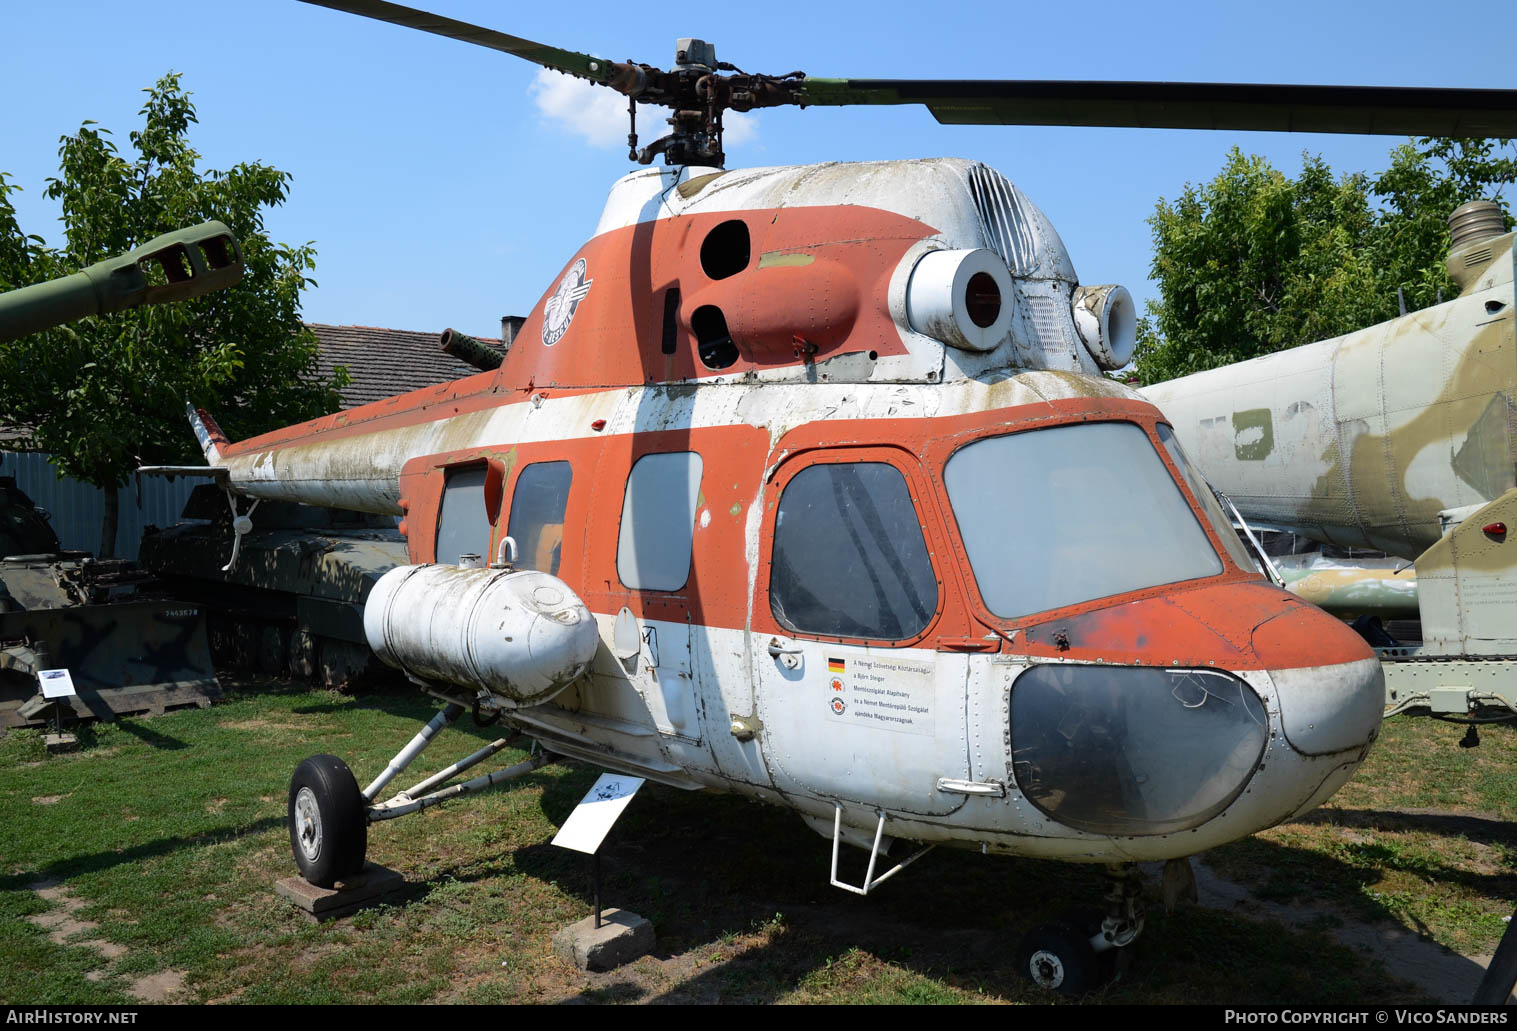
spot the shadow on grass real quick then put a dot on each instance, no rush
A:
(1360, 893)
(1283, 874)
(66, 868)
(1486, 830)
(742, 890)
(346, 705)
(147, 735)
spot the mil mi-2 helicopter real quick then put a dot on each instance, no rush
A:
(804, 483)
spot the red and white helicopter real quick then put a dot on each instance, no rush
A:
(805, 483)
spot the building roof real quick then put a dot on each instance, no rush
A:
(386, 362)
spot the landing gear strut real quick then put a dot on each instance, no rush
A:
(1085, 948)
(329, 816)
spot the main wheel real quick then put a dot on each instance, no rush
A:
(1059, 958)
(329, 831)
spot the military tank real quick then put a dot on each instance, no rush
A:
(129, 648)
(292, 601)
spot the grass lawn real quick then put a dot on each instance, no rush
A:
(1422, 836)
(151, 855)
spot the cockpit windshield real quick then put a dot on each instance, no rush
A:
(1072, 513)
(1209, 503)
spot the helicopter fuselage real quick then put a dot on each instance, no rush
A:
(861, 530)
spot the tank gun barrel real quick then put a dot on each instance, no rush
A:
(176, 266)
(470, 351)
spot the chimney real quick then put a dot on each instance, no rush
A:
(510, 325)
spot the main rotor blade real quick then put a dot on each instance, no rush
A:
(1385, 110)
(583, 65)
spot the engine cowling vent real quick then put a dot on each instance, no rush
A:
(1108, 323)
(963, 298)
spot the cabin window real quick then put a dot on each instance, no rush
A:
(658, 521)
(1072, 513)
(537, 515)
(850, 558)
(463, 527)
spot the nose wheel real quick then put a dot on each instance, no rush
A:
(1085, 948)
(1059, 958)
(329, 830)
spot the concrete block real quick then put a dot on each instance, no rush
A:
(368, 886)
(59, 743)
(621, 938)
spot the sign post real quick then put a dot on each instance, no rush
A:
(58, 687)
(587, 827)
(594, 943)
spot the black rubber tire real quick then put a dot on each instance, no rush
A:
(332, 816)
(1058, 957)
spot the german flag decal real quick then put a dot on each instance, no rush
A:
(834, 665)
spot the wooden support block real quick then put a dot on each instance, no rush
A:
(366, 888)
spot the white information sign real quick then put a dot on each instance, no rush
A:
(56, 683)
(884, 693)
(593, 818)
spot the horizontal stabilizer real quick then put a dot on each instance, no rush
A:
(211, 472)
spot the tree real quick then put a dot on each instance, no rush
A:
(1253, 262)
(107, 394)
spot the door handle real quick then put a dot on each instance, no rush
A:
(790, 658)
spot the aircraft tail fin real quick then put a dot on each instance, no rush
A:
(211, 439)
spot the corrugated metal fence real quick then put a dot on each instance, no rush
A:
(77, 508)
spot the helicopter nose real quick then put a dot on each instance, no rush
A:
(1332, 695)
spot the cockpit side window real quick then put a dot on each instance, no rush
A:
(1071, 513)
(850, 558)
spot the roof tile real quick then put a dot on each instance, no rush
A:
(386, 362)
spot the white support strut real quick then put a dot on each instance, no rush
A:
(443, 776)
(870, 880)
(413, 749)
(400, 805)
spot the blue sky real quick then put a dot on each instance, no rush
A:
(440, 193)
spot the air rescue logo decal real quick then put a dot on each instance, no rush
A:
(560, 309)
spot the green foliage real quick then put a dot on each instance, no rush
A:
(107, 393)
(1253, 262)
